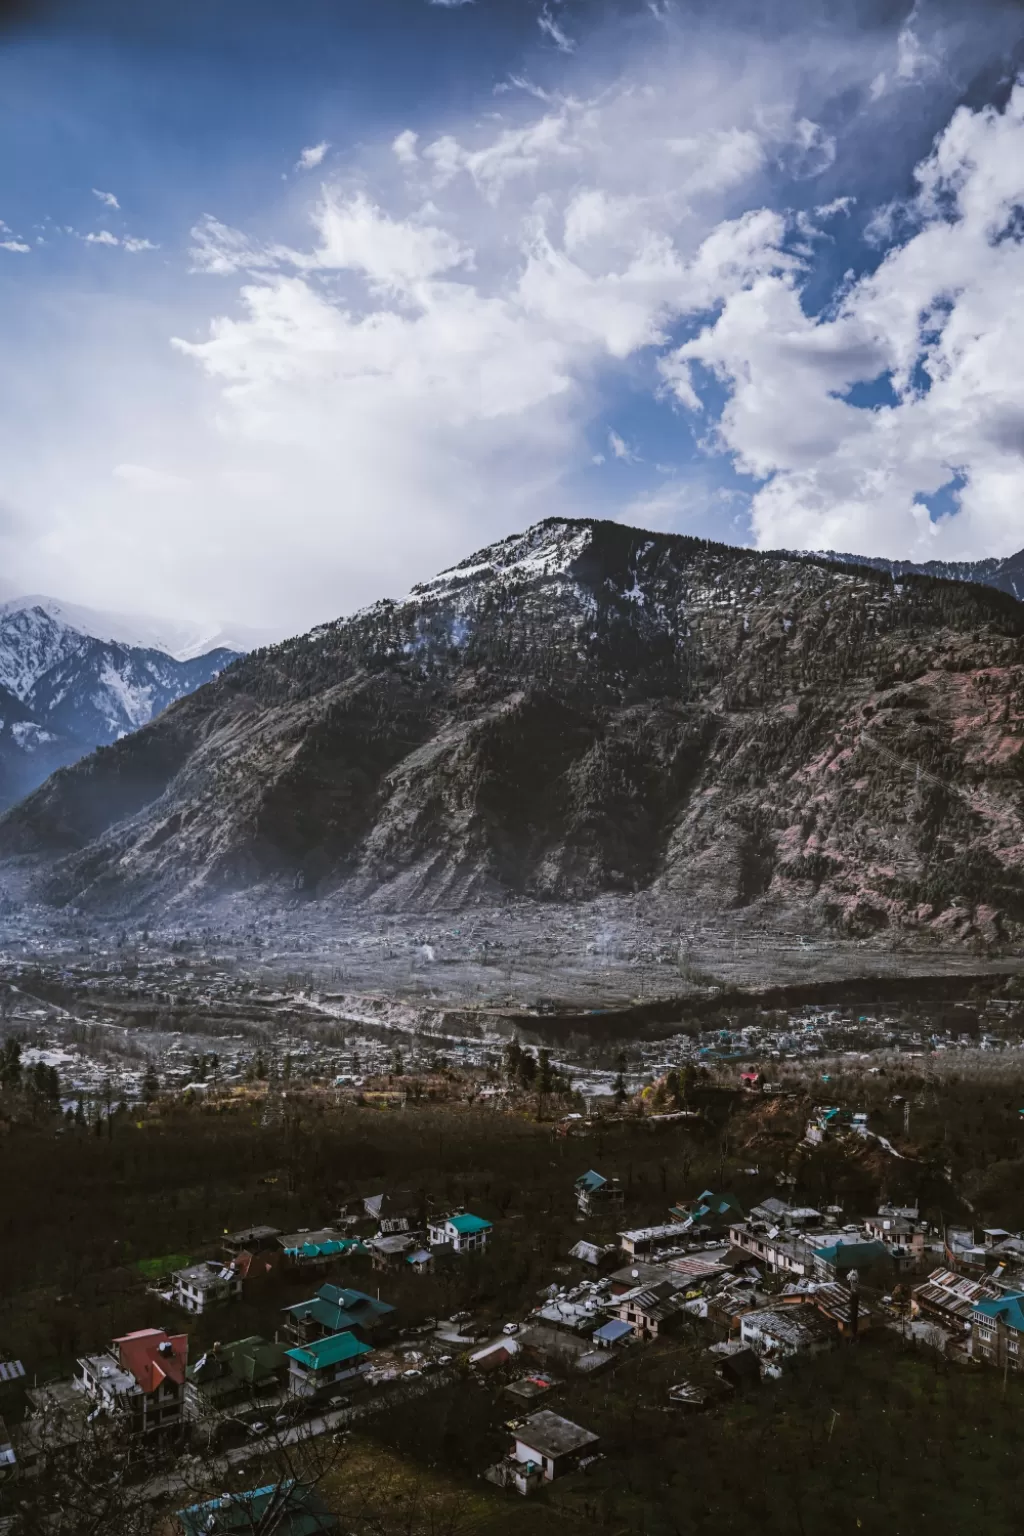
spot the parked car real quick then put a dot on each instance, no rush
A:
(510, 1328)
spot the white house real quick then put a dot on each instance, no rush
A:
(205, 1285)
(463, 1233)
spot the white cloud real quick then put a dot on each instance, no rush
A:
(942, 319)
(14, 245)
(404, 147)
(451, 4)
(428, 364)
(107, 198)
(549, 26)
(130, 243)
(312, 156)
(620, 448)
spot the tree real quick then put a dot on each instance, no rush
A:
(10, 1064)
(150, 1084)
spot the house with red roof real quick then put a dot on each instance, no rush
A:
(140, 1379)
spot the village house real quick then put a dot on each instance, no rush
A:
(997, 1329)
(230, 1373)
(774, 1332)
(337, 1309)
(291, 1509)
(389, 1250)
(314, 1368)
(635, 1275)
(251, 1240)
(401, 1212)
(710, 1215)
(547, 1447)
(595, 1193)
(142, 1377)
(614, 1331)
(645, 1242)
(836, 1259)
(311, 1251)
(463, 1233)
(208, 1284)
(652, 1310)
(950, 1298)
(597, 1255)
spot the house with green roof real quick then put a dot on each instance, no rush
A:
(595, 1193)
(337, 1309)
(837, 1259)
(710, 1215)
(229, 1373)
(287, 1508)
(314, 1368)
(463, 1233)
(997, 1330)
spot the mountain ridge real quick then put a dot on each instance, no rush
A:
(578, 710)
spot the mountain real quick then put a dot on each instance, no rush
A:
(580, 710)
(1006, 575)
(64, 692)
(183, 639)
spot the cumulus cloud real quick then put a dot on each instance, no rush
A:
(935, 332)
(14, 245)
(106, 198)
(312, 156)
(428, 362)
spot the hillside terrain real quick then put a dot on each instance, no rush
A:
(581, 711)
(64, 692)
(1006, 575)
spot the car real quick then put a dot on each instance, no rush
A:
(258, 1428)
(510, 1328)
(283, 1418)
(413, 1373)
(338, 1400)
(445, 1359)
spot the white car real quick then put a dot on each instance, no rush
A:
(510, 1328)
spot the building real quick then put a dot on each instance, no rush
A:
(317, 1250)
(595, 1193)
(652, 1310)
(463, 1233)
(287, 1508)
(208, 1284)
(337, 1309)
(644, 1242)
(551, 1444)
(997, 1328)
(314, 1368)
(251, 1240)
(599, 1256)
(389, 1251)
(142, 1378)
(230, 1373)
(710, 1215)
(615, 1331)
(951, 1298)
(838, 1258)
(774, 1332)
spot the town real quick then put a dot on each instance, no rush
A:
(558, 1260)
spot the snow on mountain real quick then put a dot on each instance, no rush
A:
(66, 689)
(182, 639)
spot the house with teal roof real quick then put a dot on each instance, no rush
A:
(595, 1193)
(463, 1233)
(314, 1368)
(997, 1330)
(710, 1214)
(337, 1309)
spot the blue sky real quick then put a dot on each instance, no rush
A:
(298, 305)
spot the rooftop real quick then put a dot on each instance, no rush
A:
(551, 1435)
(1008, 1309)
(465, 1223)
(324, 1353)
(302, 1512)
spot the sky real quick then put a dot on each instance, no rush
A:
(301, 304)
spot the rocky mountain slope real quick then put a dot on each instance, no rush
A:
(579, 710)
(64, 692)
(1006, 575)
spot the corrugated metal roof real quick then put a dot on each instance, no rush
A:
(11, 1370)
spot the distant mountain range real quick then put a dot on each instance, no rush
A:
(67, 686)
(583, 711)
(1007, 575)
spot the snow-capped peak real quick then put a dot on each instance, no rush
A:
(183, 639)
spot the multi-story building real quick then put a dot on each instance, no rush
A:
(142, 1377)
(208, 1284)
(326, 1363)
(997, 1330)
(463, 1233)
